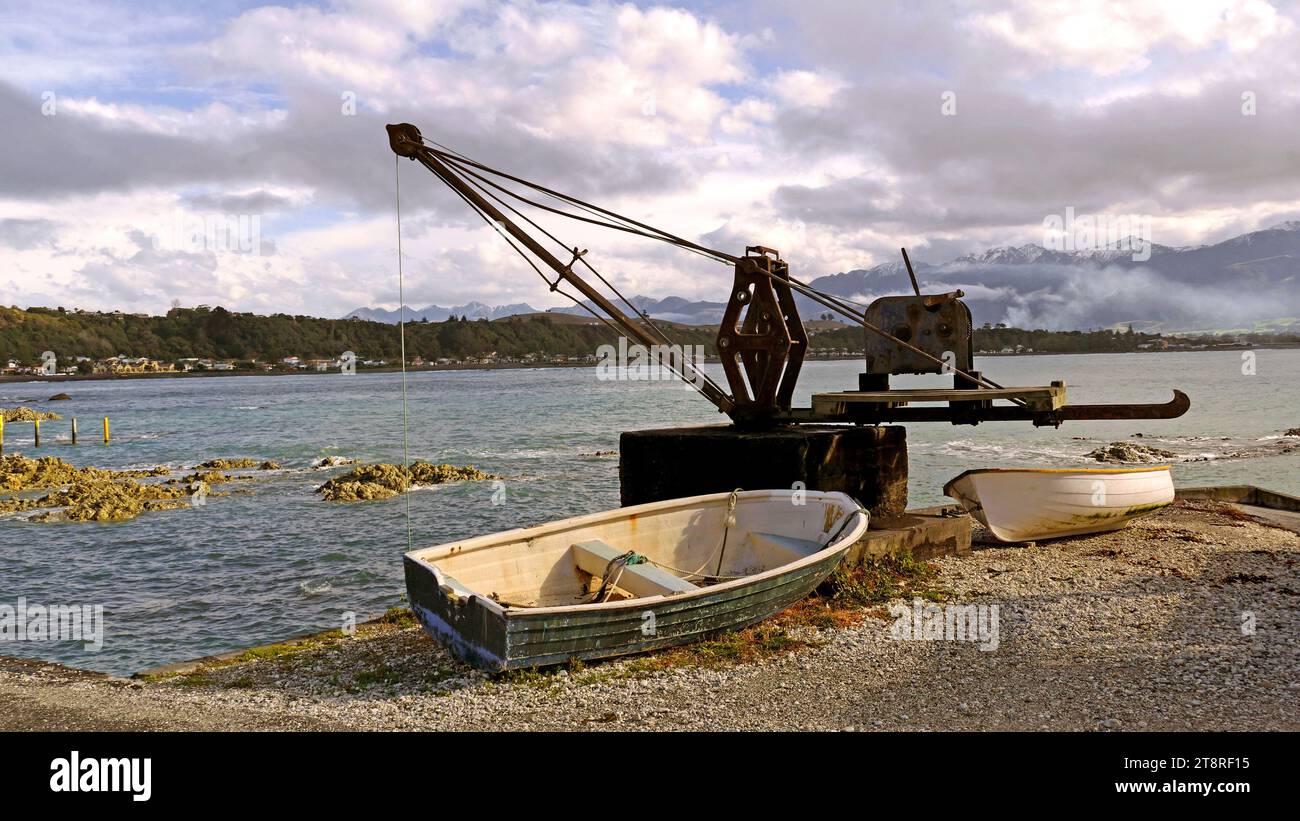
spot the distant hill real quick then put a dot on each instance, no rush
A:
(220, 334)
(1250, 282)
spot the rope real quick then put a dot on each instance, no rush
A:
(697, 375)
(689, 573)
(607, 585)
(658, 233)
(401, 300)
(728, 522)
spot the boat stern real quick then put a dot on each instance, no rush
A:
(471, 627)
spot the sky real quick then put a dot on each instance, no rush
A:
(232, 153)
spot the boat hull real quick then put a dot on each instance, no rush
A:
(480, 631)
(1029, 504)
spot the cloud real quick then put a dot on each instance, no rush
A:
(816, 128)
(25, 234)
(1108, 38)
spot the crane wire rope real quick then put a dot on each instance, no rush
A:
(643, 315)
(401, 307)
(554, 286)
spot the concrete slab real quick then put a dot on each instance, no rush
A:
(924, 533)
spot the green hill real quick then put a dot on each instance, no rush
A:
(221, 334)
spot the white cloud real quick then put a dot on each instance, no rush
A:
(1109, 37)
(806, 88)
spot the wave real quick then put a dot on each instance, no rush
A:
(311, 589)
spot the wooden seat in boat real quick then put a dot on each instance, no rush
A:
(778, 550)
(640, 580)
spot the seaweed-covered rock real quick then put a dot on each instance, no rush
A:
(26, 414)
(17, 473)
(227, 464)
(105, 501)
(383, 481)
(270, 464)
(423, 473)
(141, 473)
(1292, 432)
(87, 494)
(212, 477)
(59, 397)
(1129, 453)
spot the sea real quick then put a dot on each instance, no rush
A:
(277, 561)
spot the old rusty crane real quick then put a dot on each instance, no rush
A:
(762, 342)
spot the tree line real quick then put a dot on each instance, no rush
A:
(217, 333)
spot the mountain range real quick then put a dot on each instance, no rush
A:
(1249, 282)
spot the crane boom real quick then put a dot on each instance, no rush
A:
(406, 141)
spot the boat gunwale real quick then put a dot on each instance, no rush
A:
(1113, 471)
(840, 545)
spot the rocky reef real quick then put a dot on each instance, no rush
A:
(383, 481)
(88, 494)
(1129, 453)
(113, 501)
(236, 464)
(26, 414)
(93, 494)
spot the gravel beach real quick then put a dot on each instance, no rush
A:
(1185, 620)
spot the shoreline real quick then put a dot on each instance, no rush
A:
(504, 366)
(1152, 610)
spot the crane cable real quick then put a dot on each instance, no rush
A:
(554, 286)
(644, 316)
(401, 324)
(458, 161)
(648, 231)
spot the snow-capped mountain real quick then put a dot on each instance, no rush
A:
(436, 313)
(1249, 279)
(1241, 282)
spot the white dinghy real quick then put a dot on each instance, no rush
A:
(629, 580)
(1025, 504)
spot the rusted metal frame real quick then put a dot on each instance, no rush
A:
(860, 318)
(769, 344)
(910, 273)
(874, 414)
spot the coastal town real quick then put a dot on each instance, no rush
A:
(126, 365)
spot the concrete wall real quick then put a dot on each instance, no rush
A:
(869, 463)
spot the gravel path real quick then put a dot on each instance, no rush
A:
(1185, 620)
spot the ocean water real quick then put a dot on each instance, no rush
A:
(252, 568)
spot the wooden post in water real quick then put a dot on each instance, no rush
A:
(37, 423)
(106, 430)
(74, 430)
